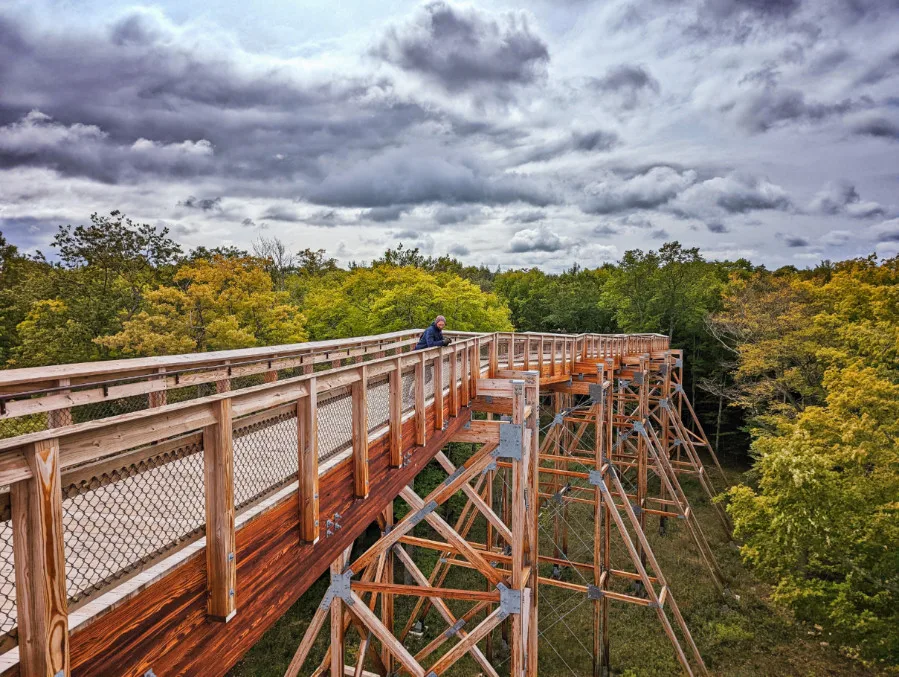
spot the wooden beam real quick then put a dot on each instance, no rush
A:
(40, 565)
(438, 392)
(307, 473)
(221, 549)
(395, 419)
(421, 434)
(360, 434)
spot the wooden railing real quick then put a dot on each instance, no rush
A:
(38, 398)
(87, 506)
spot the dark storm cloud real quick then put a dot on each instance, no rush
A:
(889, 67)
(648, 190)
(722, 9)
(384, 214)
(459, 250)
(86, 150)
(143, 80)
(605, 230)
(878, 127)
(413, 175)
(540, 239)
(446, 216)
(281, 213)
(626, 83)
(408, 234)
(761, 110)
(717, 228)
(732, 194)
(203, 204)
(659, 234)
(888, 231)
(526, 217)
(460, 48)
(795, 241)
(841, 197)
(586, 142)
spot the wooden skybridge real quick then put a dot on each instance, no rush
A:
(160, 514)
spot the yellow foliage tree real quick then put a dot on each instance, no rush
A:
(218, 304)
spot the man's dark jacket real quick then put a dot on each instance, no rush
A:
(431, 337)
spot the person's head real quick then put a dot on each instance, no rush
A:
(440, 322)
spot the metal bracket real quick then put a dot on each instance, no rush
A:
(638, 427)
(665, 403)
(623, 383)
(332, 525)
(678, 388)
(597, 390)
(340, 587)
(490, 466)
(426, 510)
(510, 442)
(679, 362)
(580, 377)
(455, 474)
(454, 628)
(505, 418)
(488, 399)
(509, 600)
(638, 378)
(466, 425)
(637, 509)
(596, 480)
(594, 592)
(663, 369)
(558, 419)
(677, 442)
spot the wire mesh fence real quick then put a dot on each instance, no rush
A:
(119, 518)
(8, 634)
(378, 399)
(265, 455)
(335, 425)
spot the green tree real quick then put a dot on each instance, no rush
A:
(388, 298)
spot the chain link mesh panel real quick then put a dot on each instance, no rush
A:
(265, 455)
(120, 519)
(8, 634)
(378, 398)
(335, 425)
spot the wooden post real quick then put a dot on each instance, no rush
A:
(224, 385)
(438, 391)
(360, 434)
(40, 565)
(421, 435)
(454, 376)
(158, 398)
(387, 615)
(221, 550)
(58, 418)
(395, 420)
(307, 473)
(466, 378)
(337, 660)
(519, 532)
(493, 364)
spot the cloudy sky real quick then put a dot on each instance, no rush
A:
(523, 134)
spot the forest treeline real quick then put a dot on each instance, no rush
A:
(795, 372)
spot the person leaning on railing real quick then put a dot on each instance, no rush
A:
(430, 338)
(433, 335)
